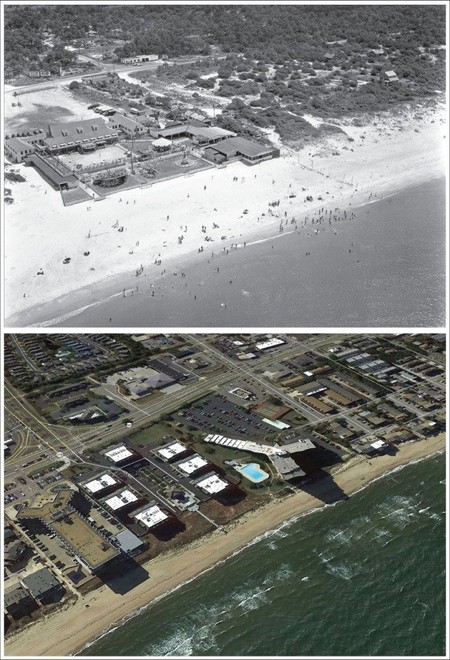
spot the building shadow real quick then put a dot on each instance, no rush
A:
(231, 496)
(322, 486)
(168, 530)
(124, 576)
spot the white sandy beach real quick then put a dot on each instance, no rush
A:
(392, 153)
(68, 630)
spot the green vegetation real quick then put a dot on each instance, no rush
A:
(153, 436)
(284, 59)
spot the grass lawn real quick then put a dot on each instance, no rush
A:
(153, 435)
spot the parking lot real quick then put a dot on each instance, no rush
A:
(215, 413)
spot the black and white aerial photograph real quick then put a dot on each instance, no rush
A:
(224, 165)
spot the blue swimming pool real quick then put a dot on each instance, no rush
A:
(253, 472)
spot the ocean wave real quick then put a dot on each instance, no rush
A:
(267, 536)
(195, 632)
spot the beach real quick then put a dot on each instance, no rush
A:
(67, 631)
(169, 224)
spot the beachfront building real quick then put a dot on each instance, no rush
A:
(238, 148)
(84, 135)
(150, 516)
(17, 149)
(130, 127)
(53, 171)
(89, 545)
(43, 586)
(199, 134)
(279, 455)
(212, 484)
(138, 59)
(18, 602)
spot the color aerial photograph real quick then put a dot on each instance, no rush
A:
(224, 495)
(225, 165)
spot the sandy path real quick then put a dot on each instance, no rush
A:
(41, 233)
(69, 630)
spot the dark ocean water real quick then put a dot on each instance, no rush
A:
(363, 577)
(383, 268)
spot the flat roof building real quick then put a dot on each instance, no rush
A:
(57, 176)
(121, 499)
(118, 454)
(42, 584)
(18, 602)
(193, 464)
(170, 451)
(100, 483)
(212, 484)
(240, 148)
(55, 511)
(269, 343)
(311, 388)
(129, 543)
(146, 384)
(139, 58)
(150, 516)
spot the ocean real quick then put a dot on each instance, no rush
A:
(385, 267)
(365, 576)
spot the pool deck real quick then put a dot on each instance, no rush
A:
(256, 467)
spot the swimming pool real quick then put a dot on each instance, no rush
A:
(253, 472)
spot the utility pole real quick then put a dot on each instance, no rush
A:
(132, 149)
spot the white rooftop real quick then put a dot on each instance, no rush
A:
(212, 484)
(121, 499)
(118, 454)
(192, 464)
(171, 450)
(276, 423)
(378, 444)
(151, 516)
(99, 483)
(270, 343)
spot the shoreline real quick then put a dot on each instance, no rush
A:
(380, 159)
(105, 291)
(77, 627)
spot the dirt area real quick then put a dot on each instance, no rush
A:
(100, 156)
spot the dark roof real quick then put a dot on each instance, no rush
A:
(16, 144)
(40, 582)
(76, 131)
(128, 122)
(49, 171)
(238, 145)
(8, 533)
(177, 129)
(15, 597)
